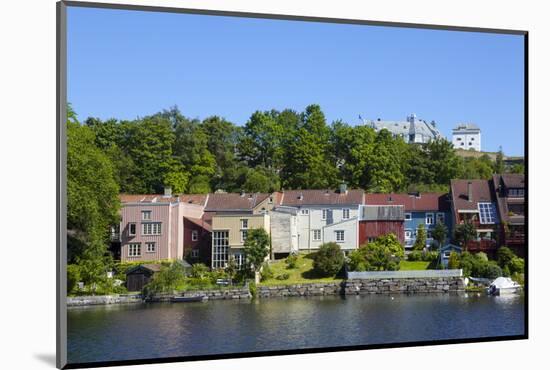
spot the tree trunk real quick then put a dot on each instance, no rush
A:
(257, 277)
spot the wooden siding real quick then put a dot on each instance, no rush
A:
(374, 229)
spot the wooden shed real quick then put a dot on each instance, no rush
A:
(375, 221)
(139, 276)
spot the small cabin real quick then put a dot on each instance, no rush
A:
(445, 253)
(139, 276)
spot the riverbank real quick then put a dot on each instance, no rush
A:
(349, 287)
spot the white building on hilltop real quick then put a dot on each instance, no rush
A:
(467, 136)
(413, 130)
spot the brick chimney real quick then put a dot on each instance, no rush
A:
(470, 194)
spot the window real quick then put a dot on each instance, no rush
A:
(304, 211)
(487, 213)
(429, 234)
(134, 250)
(244, 234)
(240, 260)
(150, 228)
(220, 248)
(270, 201)
(429, 218)
(325, 214)
(345, 213)
(194, 253)
(317, 235)
(132, 229)
(244, 223)
(339, 235)
(408, 216)
(146, 215)
(441, 217)
(370, 239)
(516, 193)
(150, 247)
(458, 139)
(194, 235)
(408, 234)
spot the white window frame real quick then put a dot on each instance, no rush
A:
(429, 216)
(408, 216)
(220, 248)
(304, 211)
(315, 238)
(148, 248)
(440, 217)
(345, 213)
(194, 235)
(244, 223)
(130, 229)
(244, 235)
(240, 260)
(324, 214)
(146, 215)
(343, 238)
(151, 228)
(134, 250)
(410, 232)
(194, 253)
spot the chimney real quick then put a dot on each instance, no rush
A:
(167, 191)
(343, 188)
(301, 196)
(470, 195)
(243, 193)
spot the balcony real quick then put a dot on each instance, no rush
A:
(515, 238)
(482, 245)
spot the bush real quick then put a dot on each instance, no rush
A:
(291, 261)
(430, 256)
(492, 270)
(482, 256)
(328, 260)
(266, 272)
(166, 280)
(253, 289)
(454, 261)
(73, 277)
(199, 270)
(505, 256)
(284, 276)
(415, 256)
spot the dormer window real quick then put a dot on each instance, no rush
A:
(146, 215)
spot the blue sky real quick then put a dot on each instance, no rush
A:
(126, 64)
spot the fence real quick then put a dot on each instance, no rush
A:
(409, 274)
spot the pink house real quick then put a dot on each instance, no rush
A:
(152, 226)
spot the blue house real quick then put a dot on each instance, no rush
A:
(445, 253)
(420, 208)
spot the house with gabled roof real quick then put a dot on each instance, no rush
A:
(426, 209)
(475, 202)
(378, 220)
(510, 195)
(323, 215)
(231, 216)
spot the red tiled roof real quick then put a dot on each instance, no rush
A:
(234, 201)
(513, 180)
(321, 197)
(482, 191)
(424, 202)
(199, 199)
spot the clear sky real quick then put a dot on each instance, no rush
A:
(128, 64)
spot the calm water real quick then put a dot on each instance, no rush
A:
(122, 332)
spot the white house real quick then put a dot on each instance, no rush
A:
(413, 130)
(467, 136)
(324, 216)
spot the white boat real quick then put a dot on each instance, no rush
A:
(503, 285)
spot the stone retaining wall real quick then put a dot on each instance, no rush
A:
(413, 285)
(240, 293)
(103, 300)
(300, 290)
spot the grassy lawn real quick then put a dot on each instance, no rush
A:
(414, 265)
(303, 273)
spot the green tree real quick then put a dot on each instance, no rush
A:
(382, 254)
(454, 261)
(328, 260)
(168, 279)
(420, 242)
(256, 249)
(464, 233)
(177, 180)
(499, 162)
(385, 167)
(199, 270)
(260, 180)
(443, 162)
(439, 233)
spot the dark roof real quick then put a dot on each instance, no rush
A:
(152, 267)
(513, 180)
(411, 202)
(450, 246)
(201, 222)
(234, 201)
(382, 213)
(503, 202)
(482, 191)
(321, 197)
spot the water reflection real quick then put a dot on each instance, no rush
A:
(122, 332)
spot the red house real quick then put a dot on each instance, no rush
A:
(510, 194)
(375, 221)
(197, 239)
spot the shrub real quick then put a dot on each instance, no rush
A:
(291, 261)
(420, 242)
(284, 276)
(199, 270)
(430, 256)
(357, 260)
(454, 261)
(166, 280)
(505, 256)
(328, 260)
(253, 289)
(482, 256)
(492, 270)
(266, 272)
(73, 277)
(414, 256)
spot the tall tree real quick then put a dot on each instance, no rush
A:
(499, 161)
(385, 172)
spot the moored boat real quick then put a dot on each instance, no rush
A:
(198, 298)
(502, 286)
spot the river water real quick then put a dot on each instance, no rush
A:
(141, 331)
